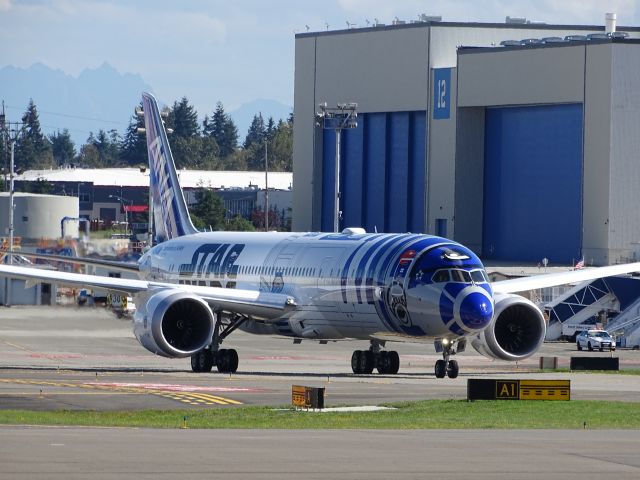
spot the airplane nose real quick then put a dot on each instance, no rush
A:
(476, 311)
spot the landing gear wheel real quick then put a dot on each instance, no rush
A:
(452, 369)
(441, 369)
(356, 361)
(388, 362)
(382, 363)
(202, 361)
(227, 361)
(394, 362)
(367, 363)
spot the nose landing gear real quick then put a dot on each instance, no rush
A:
(446, 367)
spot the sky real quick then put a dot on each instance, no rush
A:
(234, 51)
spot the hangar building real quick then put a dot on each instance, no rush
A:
(522, 151)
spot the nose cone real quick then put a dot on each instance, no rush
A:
(476, 311)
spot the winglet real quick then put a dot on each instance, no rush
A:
(170, 211)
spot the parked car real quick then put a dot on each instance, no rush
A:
(599, 339)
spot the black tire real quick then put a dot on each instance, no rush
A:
(440, 369)
(589, 347)
(394, 362)
(382, 362)
(232, 361)
(452, 369)
(579, 346)
(368, 362)
(221, 360)
(202, 361)
(356, 361)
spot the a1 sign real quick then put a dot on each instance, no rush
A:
(441, 93)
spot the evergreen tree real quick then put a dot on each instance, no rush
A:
(62, 147)
(133, 150)
(208, 211)
(33, 149)
(271, 128)
(256, 132)
(183, 119)
(222, 128)
(107, 145)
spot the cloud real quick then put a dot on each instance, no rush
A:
(5, 5)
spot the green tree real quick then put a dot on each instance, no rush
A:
(183, 119)
(40, 185)
(107, 145)
(33, 149)
(222, 128)
(133, 150)
(208, 211)
(89, 155)
(240, 224)
(62, 147)
(281, 148)
(256, 132)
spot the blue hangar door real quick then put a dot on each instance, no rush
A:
(382, 173)
(533, 183)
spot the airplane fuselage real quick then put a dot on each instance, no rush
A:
(345, 285)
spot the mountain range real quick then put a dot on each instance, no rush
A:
(98, 98)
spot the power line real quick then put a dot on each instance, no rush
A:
(66, 115)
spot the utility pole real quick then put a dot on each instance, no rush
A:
(337, 119)
(266, 188)
(13, 135)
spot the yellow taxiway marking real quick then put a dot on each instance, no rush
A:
(191, 398)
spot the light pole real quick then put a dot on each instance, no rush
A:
(338, 118)
(7, 131)
(126, 216)
(266, 189)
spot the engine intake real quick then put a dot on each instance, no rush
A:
(516, 332)
(174, 324)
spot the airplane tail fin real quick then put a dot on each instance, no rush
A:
(170, 211)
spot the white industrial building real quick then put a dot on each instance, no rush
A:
(519, 147)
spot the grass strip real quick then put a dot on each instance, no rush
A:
(427, 414)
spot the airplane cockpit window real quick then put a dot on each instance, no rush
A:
(460, 276)
(441, 276)
(479, 276)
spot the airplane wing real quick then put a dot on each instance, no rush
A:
(534, 282)
(248, 302)
(96, 262)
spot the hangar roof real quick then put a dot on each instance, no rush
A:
(132, 177)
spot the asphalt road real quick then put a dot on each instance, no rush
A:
(82, 358)
(80, 453)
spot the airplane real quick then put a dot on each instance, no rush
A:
(196, 288)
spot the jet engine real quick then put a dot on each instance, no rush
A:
(174, 323)
(516, 332)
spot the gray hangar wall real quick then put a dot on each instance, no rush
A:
(547, 152)
(398, 168)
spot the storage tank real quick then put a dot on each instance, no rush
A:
(38, 216)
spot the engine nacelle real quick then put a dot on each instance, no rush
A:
(172, 323)
(516, 332)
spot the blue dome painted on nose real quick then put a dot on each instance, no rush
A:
(476, 311)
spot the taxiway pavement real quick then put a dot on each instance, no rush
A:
(86, 358)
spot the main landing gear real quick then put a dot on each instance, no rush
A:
(446, 367)
(225, 360)
(364, 361)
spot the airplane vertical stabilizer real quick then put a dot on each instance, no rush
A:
(170, 211)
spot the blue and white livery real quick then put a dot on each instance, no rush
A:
(197, 288)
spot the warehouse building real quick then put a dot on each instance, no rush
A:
(522, 149)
